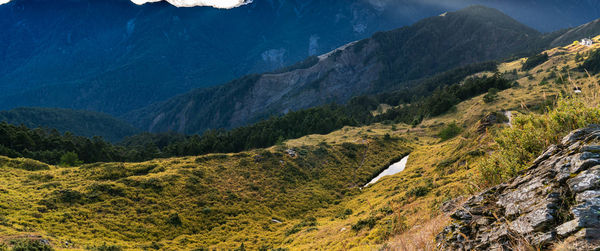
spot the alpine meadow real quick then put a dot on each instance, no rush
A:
(299, 125)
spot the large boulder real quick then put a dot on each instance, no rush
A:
(558, 198)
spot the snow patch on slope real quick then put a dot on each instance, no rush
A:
(220, 4)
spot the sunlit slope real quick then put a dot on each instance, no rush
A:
(216, 201)
(405, 211)
(305, 199)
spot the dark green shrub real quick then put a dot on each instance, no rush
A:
(98, 189)
(106, 247)
(476, 153)
(419, 191)
(530, 135)
(534, 61)
(450, 131)
(32, 165)
(348, 211)
(368, 222)
(491, 96)
(30, 245)
(70, 159)
(174, 219)
(592, 64)
(309, 222)
(69, 196)
(41, 177)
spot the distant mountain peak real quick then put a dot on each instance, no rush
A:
(484, 12)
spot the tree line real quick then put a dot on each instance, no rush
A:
(430, 97)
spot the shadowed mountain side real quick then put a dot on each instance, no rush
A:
(387, 61)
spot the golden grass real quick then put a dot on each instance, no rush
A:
(225, 200)
(213, 201)
(420, 237)
(521, 99)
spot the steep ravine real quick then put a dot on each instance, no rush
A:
(556, 199)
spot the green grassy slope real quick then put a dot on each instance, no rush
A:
(224, 201)
(216, 201)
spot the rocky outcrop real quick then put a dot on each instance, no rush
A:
(557, 198)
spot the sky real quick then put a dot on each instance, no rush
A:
(221, 4)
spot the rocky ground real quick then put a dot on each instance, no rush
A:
(557, 199)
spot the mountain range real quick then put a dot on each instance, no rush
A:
(68, 54)
(471, 129)
(498, 163)
(388, 61)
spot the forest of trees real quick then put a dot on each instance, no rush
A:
(444, 98)
(50, 146)
(431, 97)
(78, 122)
(318, 120)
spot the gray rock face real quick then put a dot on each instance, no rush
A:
(557, 198)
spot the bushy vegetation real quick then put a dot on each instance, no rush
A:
(444, 99)
(592, 63)
(424, 88)
(491, 96)
(327, 118)
(70, 159)
(27, 245)
(105, 247)
(319, 120)
(531, 134)
(51, 147)
(433, 96)
(369, 222)
(450, 131)
(534, 61)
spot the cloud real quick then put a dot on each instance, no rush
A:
(220, 4)
(4, 1)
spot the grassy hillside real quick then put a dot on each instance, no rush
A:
(216, 201)
(308, 200)
(406, 211)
